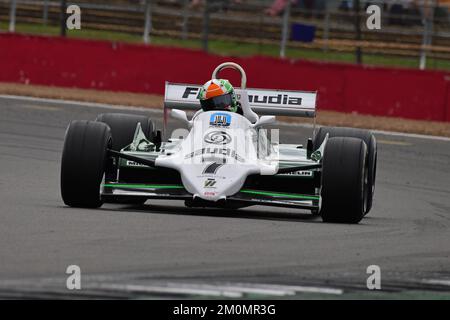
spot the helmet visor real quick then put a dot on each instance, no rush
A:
(222, 102)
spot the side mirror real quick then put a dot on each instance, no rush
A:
(264, 120)
(180, 115)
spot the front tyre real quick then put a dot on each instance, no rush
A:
(83, 163)
(344, 172)
(371, 143)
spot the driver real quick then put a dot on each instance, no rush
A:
(218, 94)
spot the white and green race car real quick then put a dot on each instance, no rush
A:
(225, 159)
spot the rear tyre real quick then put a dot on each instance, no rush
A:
(371, 143)
(343, 173)
(123, 127)
(83, 163)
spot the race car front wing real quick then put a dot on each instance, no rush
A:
(115, 190)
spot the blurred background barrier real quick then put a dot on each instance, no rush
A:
(414, 33)
(104, 65)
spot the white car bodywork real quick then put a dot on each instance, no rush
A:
(230, 148)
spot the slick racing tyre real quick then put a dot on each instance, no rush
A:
(371, 143)
(123, 127)
(83, 163)
(344, 173)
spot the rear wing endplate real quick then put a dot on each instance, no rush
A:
(261, 101)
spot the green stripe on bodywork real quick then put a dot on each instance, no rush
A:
(143, 186)
(284, 195)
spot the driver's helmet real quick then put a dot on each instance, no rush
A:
(218, 94)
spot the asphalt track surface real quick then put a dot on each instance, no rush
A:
(164, 249)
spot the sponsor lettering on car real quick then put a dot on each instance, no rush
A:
(278, 99)
(298, 173)
(216, 151)
(135, 164)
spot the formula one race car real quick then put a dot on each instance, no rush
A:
(226, 159)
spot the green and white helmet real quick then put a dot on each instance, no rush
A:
(218, 94)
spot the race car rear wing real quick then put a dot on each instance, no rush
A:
(261, 101)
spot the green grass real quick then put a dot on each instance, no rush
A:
(233, 48)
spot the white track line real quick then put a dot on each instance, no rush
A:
(411, 135)
(437, 282)
(153, 110)
(162, 289)
(226, 290)
(238, 288)
(267, 289)
(302, 289)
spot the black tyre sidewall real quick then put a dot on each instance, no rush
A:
(343, 186)
(371, 143)
(83, 163)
